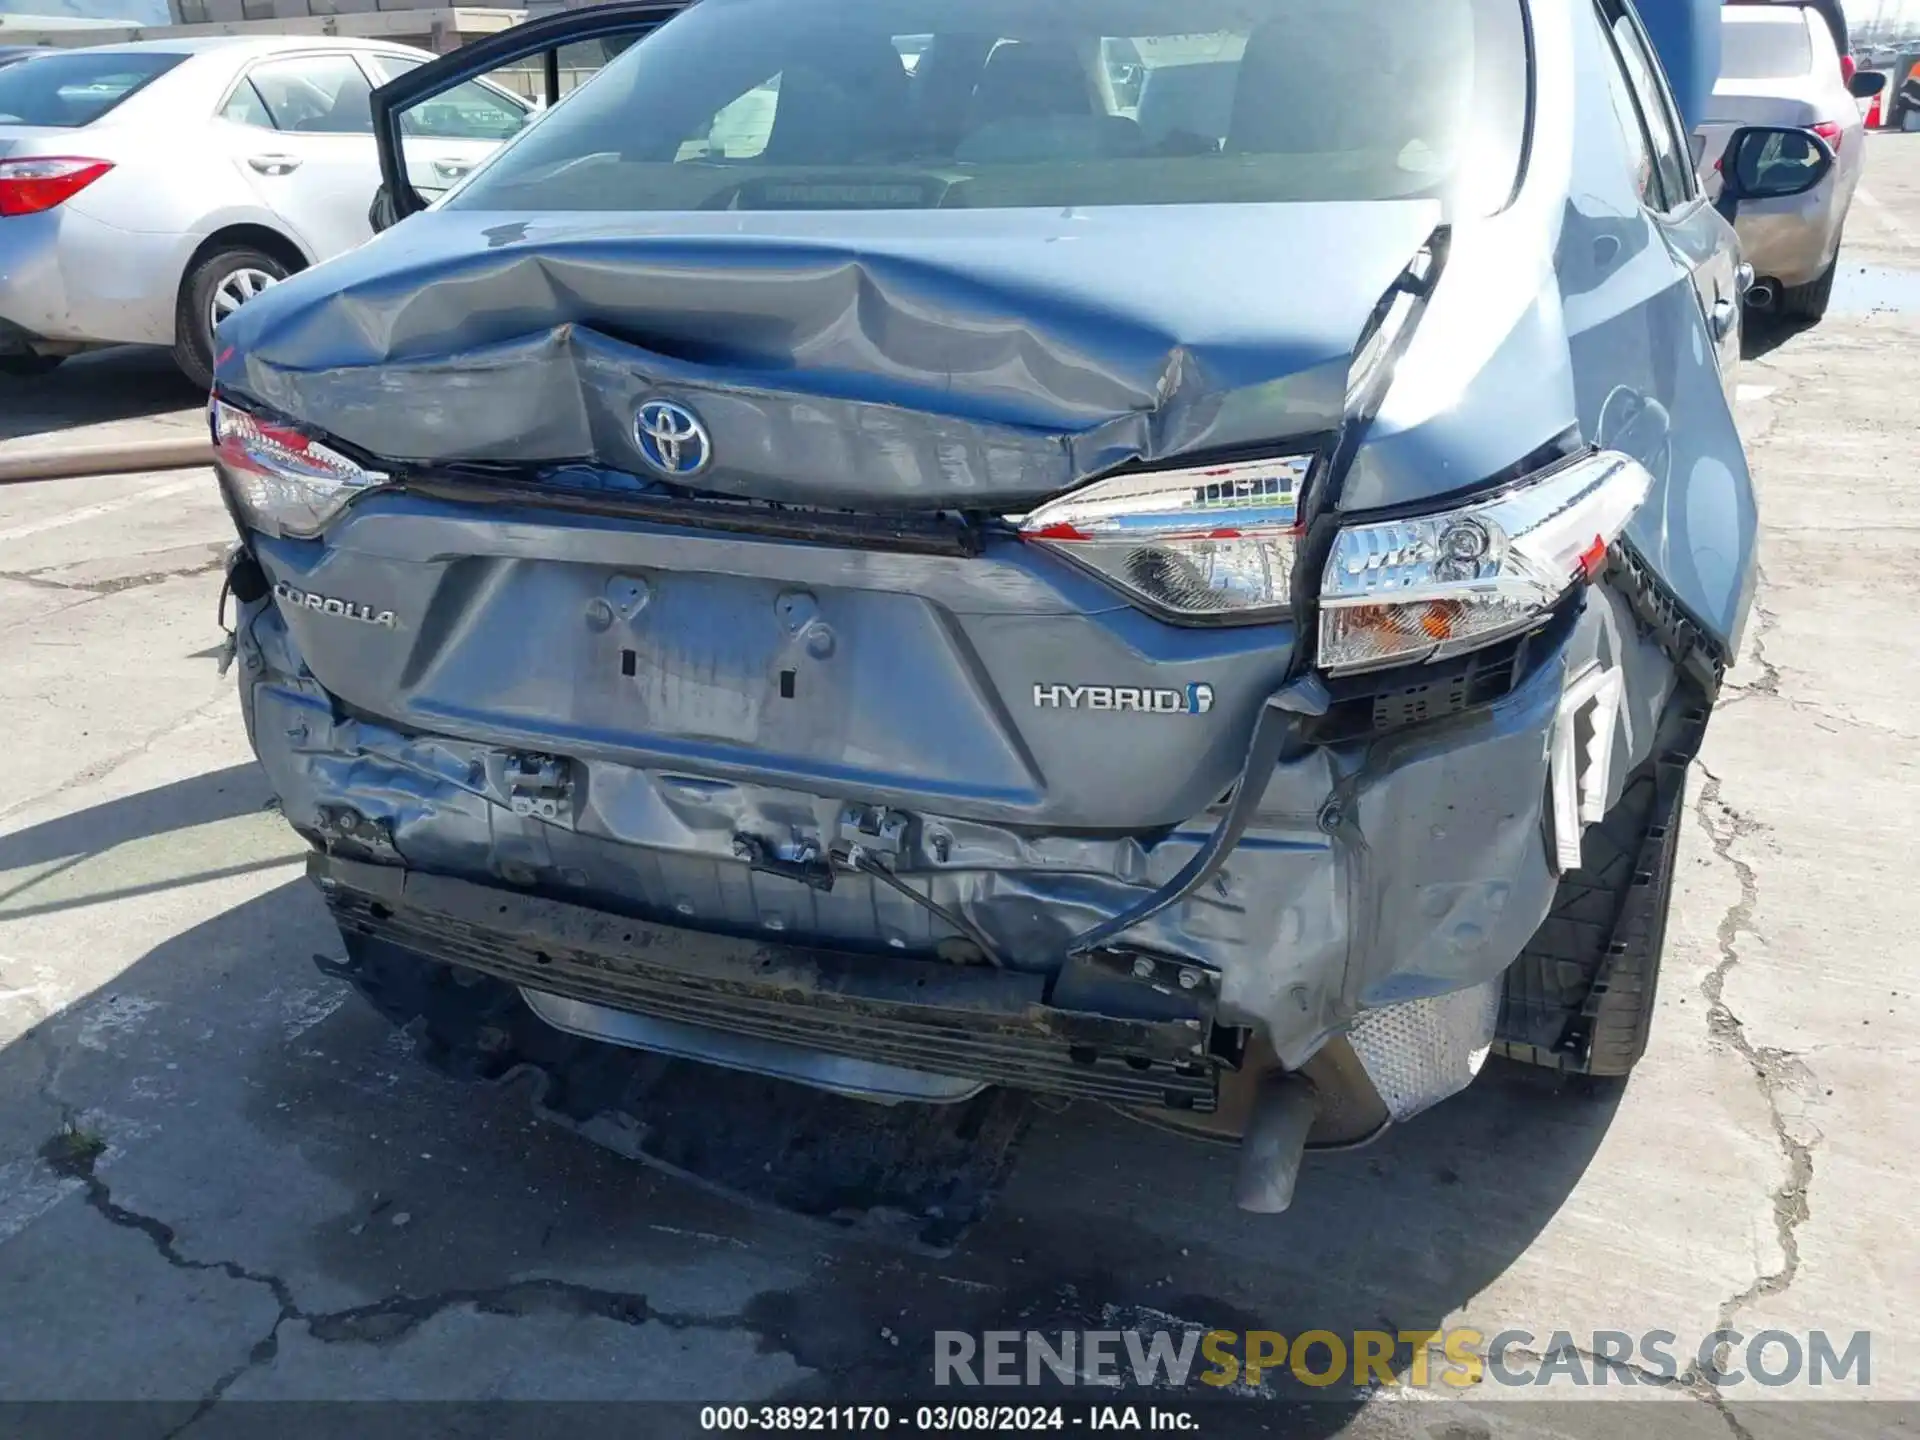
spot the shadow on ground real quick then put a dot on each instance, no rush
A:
(125, 383)
(202, 800)
(376, 1194)
(1763, 334)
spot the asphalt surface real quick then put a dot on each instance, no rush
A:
(222, 1180)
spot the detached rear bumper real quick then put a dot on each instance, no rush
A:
(913, 1029)
(1402, 855)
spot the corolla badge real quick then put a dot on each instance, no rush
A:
(330, 605)
(671, 438)
(1193, 700)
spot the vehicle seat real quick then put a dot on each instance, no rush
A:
(1366, 88)
(1193, 101)
(849, 103)
(1282, 106)
(351, 113)
(1030, 80)
(1034, 103)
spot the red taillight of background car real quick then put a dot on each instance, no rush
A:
(28, 186)
(1829, 132)
(1847, 68)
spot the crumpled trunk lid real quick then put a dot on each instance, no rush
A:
(683, 720)
(898, 360)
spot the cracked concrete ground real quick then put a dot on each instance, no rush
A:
(222, 1181)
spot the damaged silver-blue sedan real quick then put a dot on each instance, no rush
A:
(1170, 552)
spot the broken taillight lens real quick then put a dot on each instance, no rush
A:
(284, 481)
(1211, 542)
(1400, 592)
(28, 186)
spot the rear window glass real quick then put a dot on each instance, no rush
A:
(75, 88)
(1770, 50)
(901, 104)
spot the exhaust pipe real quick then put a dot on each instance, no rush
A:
(1761, 295)
(1274, 1144)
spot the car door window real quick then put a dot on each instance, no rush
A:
(315, 94)
(245, 107)
(387, 67)
(1671, 154)
(469, 111)
(1633, 130)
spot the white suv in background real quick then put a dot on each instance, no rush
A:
(1779, 66)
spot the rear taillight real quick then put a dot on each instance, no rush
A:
(1424, 587)
(1212, 543)
(284, 481)
(29, 186)
(1830, 133)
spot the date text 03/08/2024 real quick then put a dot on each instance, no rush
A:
(946, 1419)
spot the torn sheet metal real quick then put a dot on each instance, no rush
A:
(1376, 873)
(888, 359)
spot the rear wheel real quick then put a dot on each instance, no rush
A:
(26, 364)
(1580, 997)
(1809, 302)
(219, 285)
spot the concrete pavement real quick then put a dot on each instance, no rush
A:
(221, 1179)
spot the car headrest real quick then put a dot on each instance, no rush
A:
(1031, 80)
(351, 111)
(1304, 77)
(851, 100)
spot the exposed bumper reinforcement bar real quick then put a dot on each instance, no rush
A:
(995, 1026)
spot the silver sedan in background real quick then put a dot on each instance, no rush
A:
(148, 190)
(1779, 66)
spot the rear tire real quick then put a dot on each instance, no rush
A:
(26, 365)
(1601, 942)
(1809, 302)
(220, 278)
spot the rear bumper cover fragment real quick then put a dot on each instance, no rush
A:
(994, 1026)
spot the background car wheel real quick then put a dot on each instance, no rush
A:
(1601, 941)
(25, 366)
(218, 286)
(1810, 301)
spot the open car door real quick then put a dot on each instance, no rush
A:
(398, 105)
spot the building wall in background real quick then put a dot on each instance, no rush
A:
(134, 12)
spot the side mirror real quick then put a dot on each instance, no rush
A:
(1768, 162)
(1865, 84)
